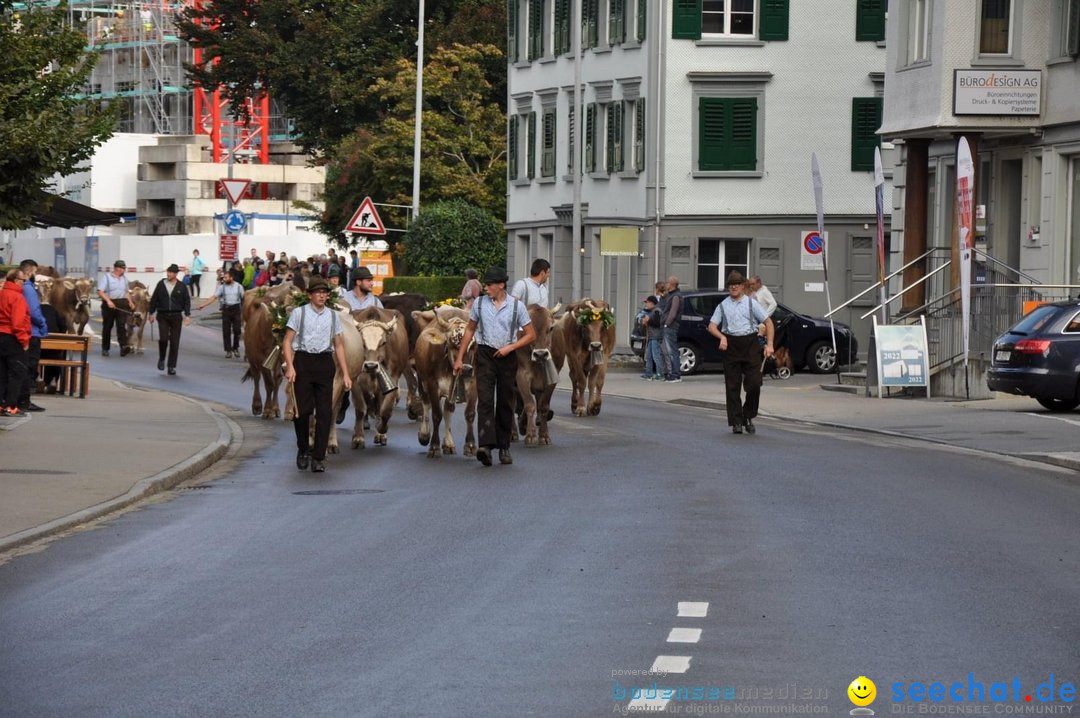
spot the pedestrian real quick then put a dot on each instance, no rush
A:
(495, 321)
(734, 323)
(757, 290)
(198, 266)
(230, 297)
(673, 310)
(171, 303)
(39, 328)
(115, 297)
(654, 337)
(472, 288)
(15, 330)
(311, 345)
(52, 374)
(274, 278)
(362, 296)
(533, 289)
(249, 272)
(354, 264)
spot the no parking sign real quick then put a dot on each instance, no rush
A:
(812, 249)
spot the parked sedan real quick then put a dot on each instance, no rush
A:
(807, 338)
(1040, 357)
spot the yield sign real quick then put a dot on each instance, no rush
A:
(366, 220)
(235, 188)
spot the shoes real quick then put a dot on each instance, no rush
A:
(228, 355)
(124, 351)
(483, 455)
(161, 365)
(16, 412)
(504, 456)
(317, 466)
(104, 352)
(33, 407)
(737, 429)
(674, 380)
(750, 428)
(172, 371)
(658, 377)
(303, 460)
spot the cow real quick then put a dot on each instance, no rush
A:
(588, 329)
(136, 321)
(533, 389)
(70, 298)
(383, 347)
(407, 304)
(436, 349)
(259, 344)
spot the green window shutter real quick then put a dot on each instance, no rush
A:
(614, 137)
(616, 22)
(870, 20)
(727, 134)
(590, 137)
(530, 146)
(742, 153)
(1073, 38)
(562, 27)
(570, 157)
(865, 121)
(774, 20)
(590, 23)
(536, 29)
(547, 159)
(686, 20)
(512, 148)
(712, 140)
(620, 134)
(642, 19)
(512, 30)
(639, 134)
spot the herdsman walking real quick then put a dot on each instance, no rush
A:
(230, 298)
(312, 343)
(171, 304)
(495, 322)
(735, 323)
(115, 306)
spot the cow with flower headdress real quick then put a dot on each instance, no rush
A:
(588, 330)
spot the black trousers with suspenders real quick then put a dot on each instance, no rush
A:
(742, 369)
(230, 327)
(495, 385)
(314, 392)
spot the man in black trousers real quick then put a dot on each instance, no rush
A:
(171, 302)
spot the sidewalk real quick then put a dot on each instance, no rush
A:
(83, 458)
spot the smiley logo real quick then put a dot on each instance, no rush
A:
(862, 691)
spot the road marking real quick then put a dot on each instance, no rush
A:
(650, 705)
(691, 609)
(1055, 418)
(684, 635)
(671, 664)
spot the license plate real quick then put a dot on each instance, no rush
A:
(1002, 356)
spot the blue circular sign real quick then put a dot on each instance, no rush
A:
(235, 221)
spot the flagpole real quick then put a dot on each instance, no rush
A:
(879, 206)
(819, 205)
(965, 177)
(419, 111)
(576, 279)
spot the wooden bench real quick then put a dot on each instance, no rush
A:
(74, 371)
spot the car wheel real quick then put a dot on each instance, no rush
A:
(820, 357)
(689, 358)
(1058, 404)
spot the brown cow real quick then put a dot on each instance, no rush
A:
(534, 391)
(589, 342)
(70, 298)
(407, 304)
(136, 321)
(259, 342)
(436, 349)
(383, 346)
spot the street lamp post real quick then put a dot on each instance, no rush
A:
(576, 288)
(419, 111)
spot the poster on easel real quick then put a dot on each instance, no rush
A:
(902, 355)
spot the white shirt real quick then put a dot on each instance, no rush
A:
(765, 298)
(737, 318)
(494, 326)
(229, 294)
(369, 300)
(319, 329)
(530, 292)
(114, 287)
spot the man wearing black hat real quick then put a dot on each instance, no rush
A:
(495, 321)
(171, 302)
(115, 299)
(362, 297)
(312, 343)
(735, 323)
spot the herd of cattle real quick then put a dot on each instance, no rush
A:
(405, 340)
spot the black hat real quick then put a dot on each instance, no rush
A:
(735, 277)
(651, 299)
(334, 270)
(172, 268)
(317, 283)
(120, 263)
(496, 274)
(362, 273)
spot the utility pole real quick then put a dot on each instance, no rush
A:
(419, 111)
(576, 288)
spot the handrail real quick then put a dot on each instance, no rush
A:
(877, 284)
(902, 291)
(999, 263)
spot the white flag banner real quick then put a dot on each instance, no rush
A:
(879, 237)
(965, 180)
(819, 205)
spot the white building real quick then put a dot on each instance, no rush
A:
(717, 104)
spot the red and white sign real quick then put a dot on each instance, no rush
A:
(366, 219)
(235, 189)
(812, 250)
(229, 248)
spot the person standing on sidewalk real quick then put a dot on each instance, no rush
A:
(14, 341)
(198, 266)
(115, 297)
(38, 330)
(311, 345)
(654, 335)
(230, 298)
(735, 324)
(672, 310)
(495, 321)
(171, 303)
(533, 289)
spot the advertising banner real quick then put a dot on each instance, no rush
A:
(965, 180)
(90, 257)
(879, 236)
(60, 255)
(903, 357)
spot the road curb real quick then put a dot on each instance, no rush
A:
(229, 433)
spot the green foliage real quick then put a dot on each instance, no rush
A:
(434, 288)
(44, 128)
(449, 237)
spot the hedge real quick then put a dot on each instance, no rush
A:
(435, 289)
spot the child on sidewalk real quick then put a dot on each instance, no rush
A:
(653, 321)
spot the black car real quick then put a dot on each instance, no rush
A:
(807, 338)
(1040, 357)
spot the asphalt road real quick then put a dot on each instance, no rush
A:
(398, 585)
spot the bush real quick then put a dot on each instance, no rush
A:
(449, 237)
(435, 289)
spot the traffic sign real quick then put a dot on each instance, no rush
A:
(812, 242)
(235, 221)
(228, 248)
(812, 250)
(366, 219)
(235, 188)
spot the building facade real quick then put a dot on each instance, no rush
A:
(699, 123)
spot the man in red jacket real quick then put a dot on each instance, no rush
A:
(14, 341)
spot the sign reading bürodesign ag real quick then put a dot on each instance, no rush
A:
(997, 92)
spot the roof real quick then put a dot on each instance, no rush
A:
(65, 213)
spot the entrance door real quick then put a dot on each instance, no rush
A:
(1005, 241)
(1072, 259)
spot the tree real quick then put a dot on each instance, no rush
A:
(464, 143)
(448, 237)
(45, 128)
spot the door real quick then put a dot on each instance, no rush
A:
(1005, 245)
(770, 265)
(862, 272)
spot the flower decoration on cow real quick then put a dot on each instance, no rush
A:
(591, 314)
(456, 302)
(279, 311)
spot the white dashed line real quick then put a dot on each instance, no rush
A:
(671, 664)
(691, 609)
(684, 635)
(648, 705)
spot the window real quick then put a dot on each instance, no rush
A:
(1067, 29)
(614, 137)
(616, 22)
(530, 145)
(642, 19)
(562, 27)
(590, 23)
(536, 29)
(639, 135)
(736, 19)
(719, 257)
(995, 37)
(547, 157)
(512, 22)
(727, 17)
(727, 134)
(865, 121)
(918, 31)
(512, 148)
(870, 20)
(590, 137)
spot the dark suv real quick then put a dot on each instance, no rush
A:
(1040, 357)
(807, 338)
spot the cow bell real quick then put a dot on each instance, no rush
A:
(458, 394)
(272, 358)
(386, 382)
(596, 357)
(551, 374)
